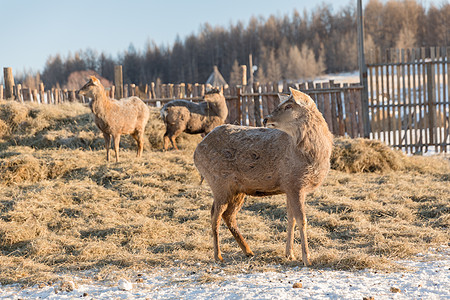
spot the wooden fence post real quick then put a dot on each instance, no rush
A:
(18, 93)
(431, 93)
(9, 83)
(239, 110)
(257, 104)
(182, 90)
(42, 92)
(243, 75)
(170, 92)
(34, 93)
(118, 82)
(1, 91)
(56, 95)
(26, 94)
(152, 91)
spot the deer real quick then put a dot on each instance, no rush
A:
(193, 118)
(291, 156)
(116, 117)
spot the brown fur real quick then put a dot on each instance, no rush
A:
(185, 116)
(292, 156)
(113, 117)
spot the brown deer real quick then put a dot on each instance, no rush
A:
(291, 156)
(116, 117)
(186, 116)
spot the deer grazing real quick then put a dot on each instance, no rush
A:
(116, 117)
(291, 156)
(185, 116)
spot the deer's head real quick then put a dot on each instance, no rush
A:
(91, 88)
(293, 111)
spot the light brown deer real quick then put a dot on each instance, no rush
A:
(291, 156)
(116, 117)
(185, 116)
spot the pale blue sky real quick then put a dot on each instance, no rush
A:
(33, 30)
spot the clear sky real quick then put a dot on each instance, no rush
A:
(33, 30)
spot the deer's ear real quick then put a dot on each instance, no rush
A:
(283, 97)
(300, 97)
(95, 80)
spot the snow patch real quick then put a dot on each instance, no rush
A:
(429, 279)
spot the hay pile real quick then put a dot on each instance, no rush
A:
(372, 156)
(70, 125)
(67, 125)
(362, 155)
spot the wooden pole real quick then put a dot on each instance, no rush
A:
(257, 104)
(118, 82)
(182, 90)
(41, 92)
(34, 93)
(71, 96)
(431, 94)
(250, 65)
(49, 97)
(363, 71)
(239, 110)
(152, 90)
(18, 93)
(1, 91)
(9, 83)
(243, 75)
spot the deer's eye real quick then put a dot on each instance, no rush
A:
(289, 106)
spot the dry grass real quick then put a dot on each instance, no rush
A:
(64, 209)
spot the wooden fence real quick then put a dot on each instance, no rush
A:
(247, 104)
(409, 98)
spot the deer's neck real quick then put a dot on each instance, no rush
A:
(100, 104)
(219, 108)
(314, 143)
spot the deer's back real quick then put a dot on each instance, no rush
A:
(124, 116)
(249, 160)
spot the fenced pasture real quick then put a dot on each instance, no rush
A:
(65, 211)
(408, 99)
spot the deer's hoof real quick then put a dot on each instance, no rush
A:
(290, 257)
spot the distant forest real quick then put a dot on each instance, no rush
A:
(295, 46)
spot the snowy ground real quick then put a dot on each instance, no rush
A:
(429, 278)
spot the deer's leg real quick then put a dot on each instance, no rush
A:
(229, 216)
(174, 136)
(139, 137)
(166, 142)
(217, 210)
(116, 146)
(296, 201)
(107, 137)
(141, 144)
(290, 233)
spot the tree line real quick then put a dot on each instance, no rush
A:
(289, 47)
